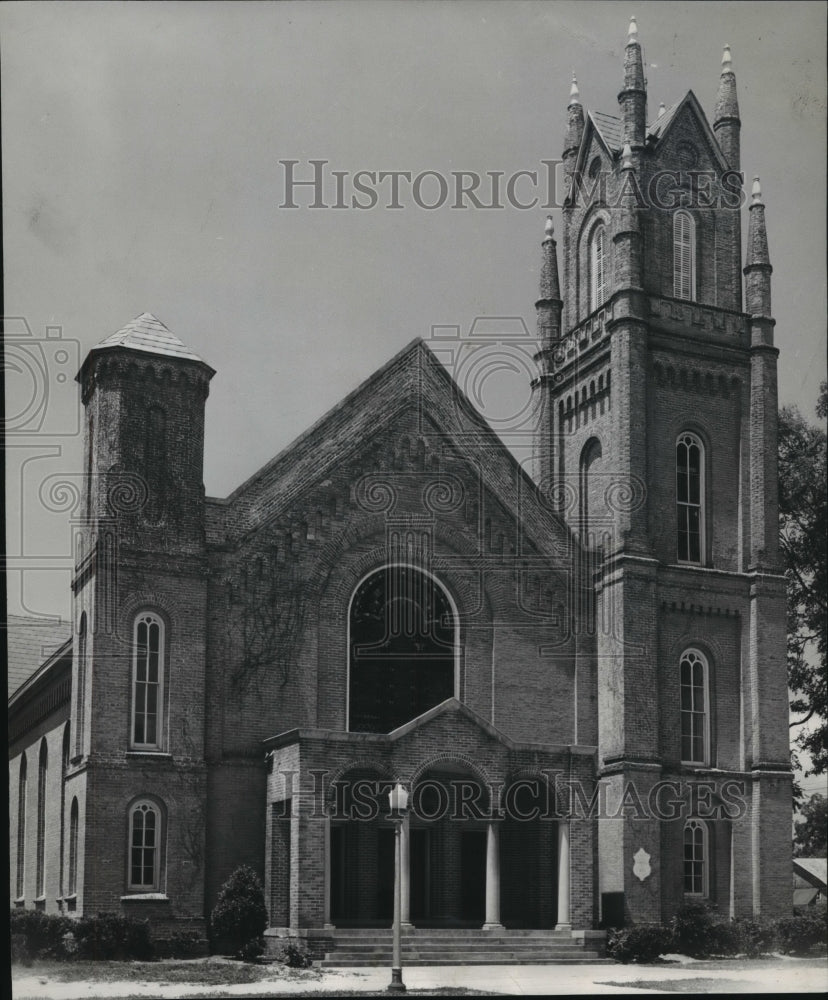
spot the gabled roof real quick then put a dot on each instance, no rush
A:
(414, 381)
(813, 870)
(31, 641)
(451, 706)
(610, 128)
(148, 333)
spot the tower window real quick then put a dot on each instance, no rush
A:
(695, 858)
(22, 781)
(80, 710)
(690, 498)
(73, 848)
(144, 846)
(42, 770)
(684, 256)
(148, 682)
(598, 267)
(694, 711)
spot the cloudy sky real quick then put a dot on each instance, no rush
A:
(141, 172)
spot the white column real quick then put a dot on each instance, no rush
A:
(492, 877)
(405, 873)
(564, 921)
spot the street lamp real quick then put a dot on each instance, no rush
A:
(398, 800)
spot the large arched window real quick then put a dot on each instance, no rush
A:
(694, 708)
(684, 256)
(690, 489)
(148, 682)
(402, 638)
(145, 833)
(42, 772)
(73, 849)
(80, 710)
(22, 781)
(695, 858)
(598, 273)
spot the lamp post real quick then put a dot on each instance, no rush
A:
(398, 800)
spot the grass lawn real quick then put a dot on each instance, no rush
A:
(211, 972)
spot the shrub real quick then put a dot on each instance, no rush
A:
(19, 951)
(693, 930)
(253, 950)
(798, 935)
(295, 956)
(756, 937)
(111, 936)
(105, 936)
(181, 944)
(42, 934)
(643, 943)
(239, 916)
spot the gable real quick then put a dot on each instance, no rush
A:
(408, 429)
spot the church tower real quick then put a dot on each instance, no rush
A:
(657, 403)
(139, 615)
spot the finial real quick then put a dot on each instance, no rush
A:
(757, 192)
(661, 109)
(626, 157)
(632, 35)
(574, 93)
(727, 62)
(549, 228)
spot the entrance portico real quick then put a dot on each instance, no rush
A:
(482, 847)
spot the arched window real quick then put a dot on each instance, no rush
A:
(148, 682)
(591, 491)
(402, 635)
(21, 826)
(690, 489)
(684, 256)
(73, 848)
(694, 708)
(144, 846)
(598, 266)
(80, 709)
(42, 769)
(695, 858)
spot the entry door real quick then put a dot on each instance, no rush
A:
(473, 875)
(385, 874)
(420, 851)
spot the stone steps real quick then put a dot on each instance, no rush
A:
(457, 946)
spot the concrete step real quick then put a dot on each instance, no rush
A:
(587, 958)
(469, 947)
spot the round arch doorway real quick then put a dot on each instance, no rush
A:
(401, 649)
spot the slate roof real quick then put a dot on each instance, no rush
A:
(31, 641)
(813, 870)
(611, 127)
(147, 333)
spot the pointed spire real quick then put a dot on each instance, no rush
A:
(550, 288)
(574, 93)
(633, 97)
(726, 123)
(574, 125)
(757, 266)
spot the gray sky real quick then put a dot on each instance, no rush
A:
(140, 173)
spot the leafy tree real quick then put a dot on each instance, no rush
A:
(803, 513)
(811, 832)
(239, 918)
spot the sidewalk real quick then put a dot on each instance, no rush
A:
(780, 975)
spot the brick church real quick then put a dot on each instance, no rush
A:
(578, 675)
